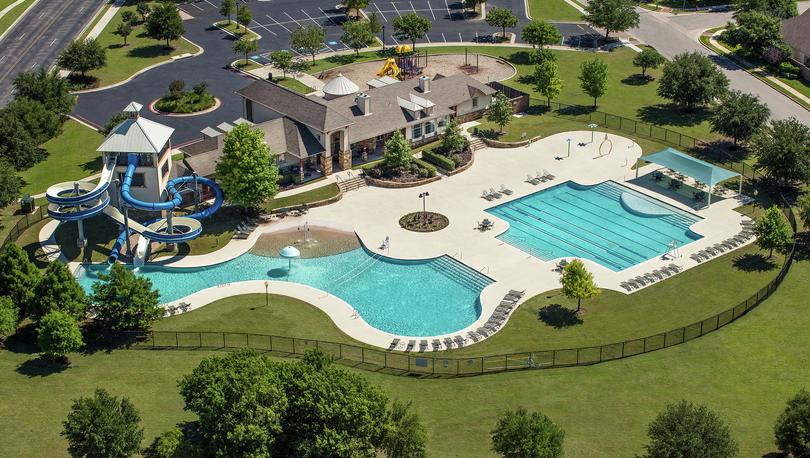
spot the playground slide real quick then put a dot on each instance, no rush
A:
(390, 68)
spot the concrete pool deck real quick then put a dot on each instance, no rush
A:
(374, 213)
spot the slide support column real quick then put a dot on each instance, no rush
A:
(126, 230)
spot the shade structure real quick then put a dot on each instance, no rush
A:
(289, 252)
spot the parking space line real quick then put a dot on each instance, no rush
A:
(443, 37)
(327, 16)
(215, 6)
(459, 38)
(381, 13)
(395, 8)
(431, 9)
(394, 38)
(278, 23)
(195, 6)
(311, 19)
(427, 38)
(449, 13)
(21, 36)
(293, 19)
(2, 59)
(265, 28)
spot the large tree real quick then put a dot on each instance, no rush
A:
(397, 154)
(103, 426)
(739, 116)
(144, 9)
(593, 78)
(792, 430)
(452, 140)
(405, 434)
(307, 39)
(16, 144)
(165, 23)
(540, 33)
(688, 430)
(691, 80)
(244, 17)
(9, 317)
(547, 80)
(646, 59)
(577, 282)
(244, 46)
(38, 121)
(47, 88)
(58, 334)
(123, 301)
(754, 32)
(124, 30)
(612, 15)
(82, 56)
(282, 60)
(355, 5)
(502, 18)
(521, 434)
(411, 27)
(773, 231)
(803, 205)
(226, 8)
(18, 276)
(357, 35)
(783, 9)
(500, 111)
(57, 289)
(782, 150)
(247, 170)
(10, 183)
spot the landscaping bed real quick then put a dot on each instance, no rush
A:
(424, 222)
(416, 174)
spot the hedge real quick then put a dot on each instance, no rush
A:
(430, 168)
(438, 159)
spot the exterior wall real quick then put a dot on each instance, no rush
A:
(256, 113)
(154, 186)
(467, 106)
(425, 137)
(803, 61)
(470, 116)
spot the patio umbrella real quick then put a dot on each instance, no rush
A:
(289, 252)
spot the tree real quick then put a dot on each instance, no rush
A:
(307, 39)
(355, 5)
(123, 301)
(612, 15)
(503, 18)
(247, 170)
(500, 110)
(754, 32)
(58, 334)
(405, 435)
(783, 9)
(685, 429)
(452, 140)
(37, 121)
(103, 426)
(282, 60)
(792, 430)
(127, 16)
(577, 282)
(144, 9)
(357, 35)
(520, 434)
(9, 317)
(226, 8)
(397, 153)
(47, 88)
(123, 30)
(593, 78)
(690, 80)
(739, 116)
(803, 204)
(773, 231)
(18, 276)
(648, 58)
(411, 27)
(16, 145)
(783, 150)
(10, 183)
(57, 290)
(116, 119)
(540, 33)
(374, 23)
(82, 56)
(547, 80)
(244, 47)
(244, 16)
(165, 23)
(176, 88)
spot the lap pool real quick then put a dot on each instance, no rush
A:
(608, 223)
(409, 298)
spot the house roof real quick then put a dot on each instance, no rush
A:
(796, 31)
(339, 86)
(137, 135)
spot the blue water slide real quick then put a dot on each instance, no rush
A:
(176, 200)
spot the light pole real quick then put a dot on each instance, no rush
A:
(593, 127)
(266, 293)
(569, 146)
(423, 196)
(383, 36)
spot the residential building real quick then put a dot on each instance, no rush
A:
(796, 31)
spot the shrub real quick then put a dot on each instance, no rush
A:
(442, 161)
(792, 429)
(9, 317)
(176, 88)
(685, 429)
(103, 426)
(788, 70)
(59, 334)
(522, 434)
(424, 165)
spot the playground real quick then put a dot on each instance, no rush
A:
(481, 67)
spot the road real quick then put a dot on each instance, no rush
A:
(675, 34)
(37, 39)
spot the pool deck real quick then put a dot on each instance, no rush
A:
(374, 214)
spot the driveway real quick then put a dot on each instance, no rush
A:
(675, 34)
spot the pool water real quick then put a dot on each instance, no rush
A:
(608, 223)
(408, 298)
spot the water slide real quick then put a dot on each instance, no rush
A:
(81, 200)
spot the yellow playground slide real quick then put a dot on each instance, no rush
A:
(390, 68)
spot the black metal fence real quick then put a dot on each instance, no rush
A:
(426, 365)
(24, 223)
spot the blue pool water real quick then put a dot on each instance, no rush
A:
(410, 298)
(608, 223)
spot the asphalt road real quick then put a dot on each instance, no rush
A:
(37, 39)
(675, 34)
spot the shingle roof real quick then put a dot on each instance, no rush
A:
(796, 31)
(137, 135)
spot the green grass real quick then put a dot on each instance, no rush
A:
(553, 10)
(187, 102)
(745, 371)
(72, 155)
(11, 16)
(799, 84)
(95, 20)
(139, 53)
(293, 84)
(250, 65)
(306, 197)
(236, 29)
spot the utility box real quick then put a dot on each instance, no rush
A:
(27, 204)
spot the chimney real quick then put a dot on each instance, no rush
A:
(424, 83)
(363, 101)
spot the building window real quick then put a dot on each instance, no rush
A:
(442, 123)
(475, 102)
(138, 180)
(417, 131)
(430, 128)
(165, 169)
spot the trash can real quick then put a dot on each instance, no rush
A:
(27, 204)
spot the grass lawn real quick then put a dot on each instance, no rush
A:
(72, 155)
(553, 10)
(237, 29)
(799, 84)
(250, 65)
(306, 197)
(139, 53)
(746, 372)
(11, 16)
(294, 84)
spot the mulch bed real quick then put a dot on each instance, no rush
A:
(424, 222)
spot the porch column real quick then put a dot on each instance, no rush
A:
(326, 164)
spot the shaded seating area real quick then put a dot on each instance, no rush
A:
(681, 166)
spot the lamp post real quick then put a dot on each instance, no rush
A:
(593, 127)
(423, 196)
(266, 293)
(569, 140)
(383, 36)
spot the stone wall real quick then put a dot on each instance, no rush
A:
(497, 144)
(397, 185)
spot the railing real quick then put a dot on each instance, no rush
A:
(400, 363)
(24, 223)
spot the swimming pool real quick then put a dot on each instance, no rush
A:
(611, 224)
(409, 298)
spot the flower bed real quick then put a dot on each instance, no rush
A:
(417, 173)
(424, 222)
(187, 102)
(499, 144)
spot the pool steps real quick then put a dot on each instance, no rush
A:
(460, 273)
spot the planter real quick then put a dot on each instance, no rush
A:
(424, 222)
(382, 183)
(217, 104)
(499, 144)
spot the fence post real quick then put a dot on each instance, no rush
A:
(199, 338)
(224, 344)
(176, 342)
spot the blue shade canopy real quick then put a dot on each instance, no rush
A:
(690, 166)
(289, 252)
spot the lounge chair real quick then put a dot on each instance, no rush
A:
(625, 285)
(411, 344)
(486, 195)
(633, 283)
(540, 177)
(516, 293)
(641, 280)
(394, 344)
(494, 193)
(459, 340)
(532, 180)
(548, 175)
(473, 336)
(650, 277)
(423, 344)
(483, 331)
(448, 343)
(506, 190)
(675, 267)
(436, 344)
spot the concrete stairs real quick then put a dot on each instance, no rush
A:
(351, 184)
(477, 143)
